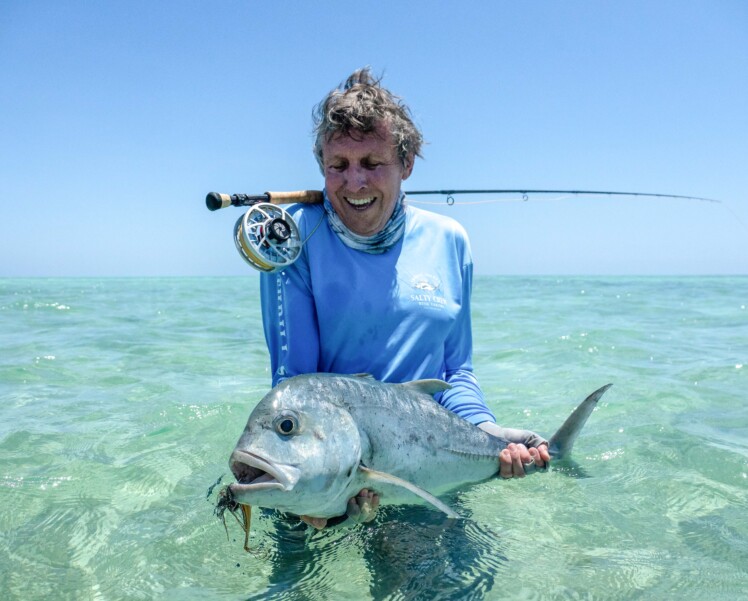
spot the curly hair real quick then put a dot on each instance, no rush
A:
(357, 107)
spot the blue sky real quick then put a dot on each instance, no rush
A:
(116, 118)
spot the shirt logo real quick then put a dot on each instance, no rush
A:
(426, 282)
(427, 290)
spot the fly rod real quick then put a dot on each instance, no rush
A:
(216, 200)
(269, 239)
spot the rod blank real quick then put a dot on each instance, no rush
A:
(216, 200)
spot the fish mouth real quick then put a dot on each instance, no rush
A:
(254, 473)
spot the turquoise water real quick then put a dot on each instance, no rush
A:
(122, 399)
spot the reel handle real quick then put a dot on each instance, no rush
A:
(217, 200)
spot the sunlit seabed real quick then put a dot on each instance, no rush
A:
(122, 399)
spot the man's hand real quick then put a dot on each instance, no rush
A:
(513, 458)
(361, 508)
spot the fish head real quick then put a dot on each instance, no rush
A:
(298, 453)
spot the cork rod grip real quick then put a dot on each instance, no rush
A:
(305, 196)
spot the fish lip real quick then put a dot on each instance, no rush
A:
(241, 460)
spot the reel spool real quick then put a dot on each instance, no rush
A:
(267, 237)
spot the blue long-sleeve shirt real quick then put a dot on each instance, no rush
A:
(401, 315)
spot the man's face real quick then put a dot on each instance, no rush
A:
(362, 177)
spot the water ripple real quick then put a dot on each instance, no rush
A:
(123, 398)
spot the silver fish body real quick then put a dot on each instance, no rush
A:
(314, 441)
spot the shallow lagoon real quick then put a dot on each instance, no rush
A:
(122, 399)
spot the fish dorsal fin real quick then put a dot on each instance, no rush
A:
(364, 376)
(382, 477)
(430, 387)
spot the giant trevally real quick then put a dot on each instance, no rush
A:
(314, 441)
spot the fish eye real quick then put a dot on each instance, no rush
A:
(286, 424)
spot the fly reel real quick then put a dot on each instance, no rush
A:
(267, 237)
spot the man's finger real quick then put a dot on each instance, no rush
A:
(517, 469)
(536, 457)
(544, 453)
(505, 464)
(318, 523)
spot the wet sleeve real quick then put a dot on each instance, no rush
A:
(465, 398)
(525, 437)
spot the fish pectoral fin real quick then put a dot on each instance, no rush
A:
(384, 478)
(430, 387)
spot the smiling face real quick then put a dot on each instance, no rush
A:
(362, 177)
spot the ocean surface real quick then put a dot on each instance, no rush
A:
(121, 400)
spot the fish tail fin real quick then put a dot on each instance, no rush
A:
(562, 441)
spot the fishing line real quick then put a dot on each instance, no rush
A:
(483, 202)
(735, 215)
(566, 194)
(526, 193)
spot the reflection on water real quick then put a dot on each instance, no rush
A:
(408, 552)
